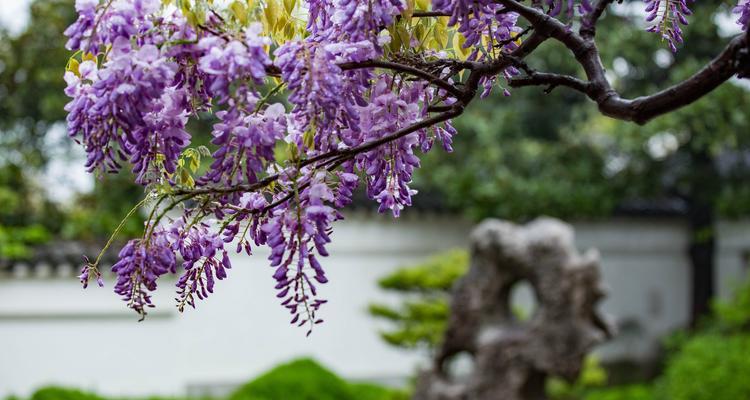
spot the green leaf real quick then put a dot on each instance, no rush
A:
(289, 6)
(239, 10)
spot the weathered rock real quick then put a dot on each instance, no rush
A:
(512, 358)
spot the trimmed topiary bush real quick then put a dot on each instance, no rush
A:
(61, 393)
(302, 379)
(305, 379)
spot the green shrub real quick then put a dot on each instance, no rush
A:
(305, 379)
(709, 367)
(630, 392)
(60, 393)
(419, 321)
(302, 379)
(437, 273)
(368, 391)
(733, 314)
(592, 375)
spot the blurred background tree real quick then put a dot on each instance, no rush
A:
(556, 155)
(418, 322)
(32, 121)
(31, 84)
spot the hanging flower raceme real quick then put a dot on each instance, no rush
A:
(204, 260)
(127, 110)
(141, 263)
(362, 20)
(351, 20)
(163, 135)
(324, 96)
(389, 168)
(246, 142)
(666, 16)
(297, 235)
(313, 79)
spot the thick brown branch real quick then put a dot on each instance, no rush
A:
(716, 72)
(731, 61)
(352, 151)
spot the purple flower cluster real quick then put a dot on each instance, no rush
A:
(351, 20)
(89, 271)
(141, 262)
(245, 142)
(204, 261)
(666, 17)
(389, 168)
(133, 101)
(317, 91)
(743, 9)
(127, 110)
(254, 206)
(225, 62)
(100, 25)
(482, 20)
(362, 20)
(295, 234)
(312, 77)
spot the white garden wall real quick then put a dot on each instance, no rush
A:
(52, 332)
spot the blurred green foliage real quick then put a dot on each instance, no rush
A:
(711, 363)
(31, 85)
(305, 379)
(709, 366)
(31, 104)
(554, 154)
(61, 393)
(94, 215)
(437, 274)
(516, 158)
(419, 320)
(592, 376)
(302, 379)
(627, 392)
(732, 315)
(26, 219)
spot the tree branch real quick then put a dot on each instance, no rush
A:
(336, 156)
(732, 60)
(551, 80)
(394, 66)
(423, 14)
(589, 21)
